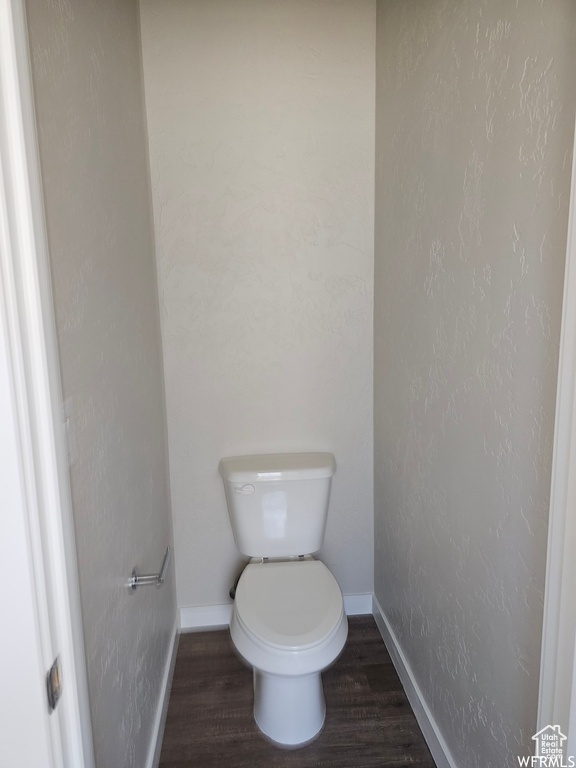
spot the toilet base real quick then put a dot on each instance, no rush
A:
(289, 710)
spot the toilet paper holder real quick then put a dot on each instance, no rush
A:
(141, 579)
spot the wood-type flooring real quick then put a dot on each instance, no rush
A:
(369, 722)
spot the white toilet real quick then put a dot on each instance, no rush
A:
(288, 619)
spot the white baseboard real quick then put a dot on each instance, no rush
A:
(436, 743)
(198, 618)
(155, 748)
(358, 605)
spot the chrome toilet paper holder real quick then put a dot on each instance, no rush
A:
(142, 579)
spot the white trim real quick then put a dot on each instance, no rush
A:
(197, 618)
(558, 638)
(358, 605)
(159, 724)
(23, 707)
(430, 730)
(35, 372)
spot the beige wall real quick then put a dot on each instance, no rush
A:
(261, 124)
(87, 78)
(262, 152)
(475, 114)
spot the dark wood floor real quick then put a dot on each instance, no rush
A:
(369, 723)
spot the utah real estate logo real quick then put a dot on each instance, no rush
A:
(549, 750)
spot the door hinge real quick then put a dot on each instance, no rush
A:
(54, 684)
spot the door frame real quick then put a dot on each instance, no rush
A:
(557, 697)
(31, 363)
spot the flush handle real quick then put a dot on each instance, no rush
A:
(246, 490)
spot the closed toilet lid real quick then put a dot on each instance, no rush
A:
(291, 605)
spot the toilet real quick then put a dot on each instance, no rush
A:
(288, 621)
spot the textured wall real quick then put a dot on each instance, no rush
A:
(87, 77)
(475, 112)
(261, 124)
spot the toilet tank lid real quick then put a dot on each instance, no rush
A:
(277, 467)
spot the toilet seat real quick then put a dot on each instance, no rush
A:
(289, 606)
(288, 617)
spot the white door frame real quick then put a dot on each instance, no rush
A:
(23, 705)
(557, 700)
(40, 516)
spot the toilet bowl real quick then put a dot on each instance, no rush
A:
(288, 623)
(288, 620)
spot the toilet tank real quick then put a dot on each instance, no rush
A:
(278, 502)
